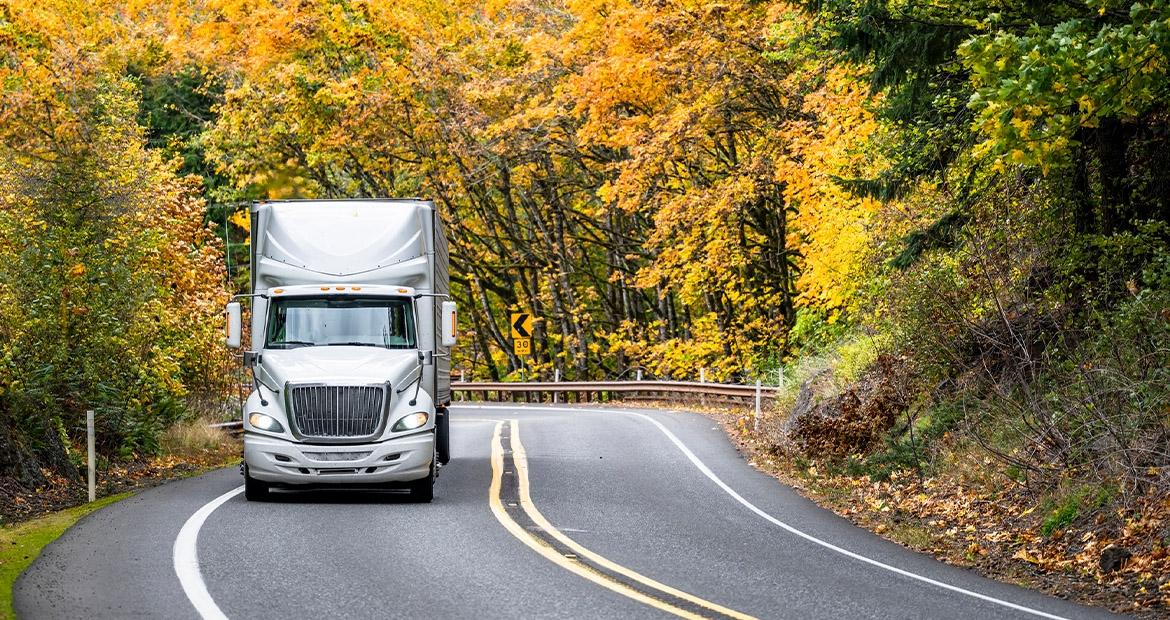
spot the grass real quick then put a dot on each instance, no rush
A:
(1064, 510)
(21, 543)
(192, 443)
(196, 438)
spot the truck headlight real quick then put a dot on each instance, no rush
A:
(265, 423)
(411, 422)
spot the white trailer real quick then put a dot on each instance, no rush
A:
(351, 331)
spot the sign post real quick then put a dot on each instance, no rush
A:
(90, 460)
(756, 425)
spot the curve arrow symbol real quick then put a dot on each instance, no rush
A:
(521, 325)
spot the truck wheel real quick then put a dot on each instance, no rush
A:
(423, 491)
(254, 490)
(443, 436)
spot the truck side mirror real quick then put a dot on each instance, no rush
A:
(234, 323)
(450, 322)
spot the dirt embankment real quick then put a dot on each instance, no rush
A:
(1098, 549)
(20, 501)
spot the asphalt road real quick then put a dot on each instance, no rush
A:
(542, 513)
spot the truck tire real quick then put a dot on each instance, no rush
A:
(443, 435)
(254, 490)
(423, 491)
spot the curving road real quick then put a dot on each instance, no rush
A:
(544, 512)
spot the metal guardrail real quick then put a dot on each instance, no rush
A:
(593, 391)
(235, 426)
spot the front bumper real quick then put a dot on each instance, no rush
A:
(284, 462)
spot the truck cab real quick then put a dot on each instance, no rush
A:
(351, 331)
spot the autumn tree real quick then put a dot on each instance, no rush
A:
(112, 285)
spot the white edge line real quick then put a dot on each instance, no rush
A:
(186, 558)
(702, 467)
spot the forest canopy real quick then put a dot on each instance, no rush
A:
(670, 186)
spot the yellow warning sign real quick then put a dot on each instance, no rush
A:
(522, 346)
(521, 325)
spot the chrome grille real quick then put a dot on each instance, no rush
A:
(330, 411)
(335, 456)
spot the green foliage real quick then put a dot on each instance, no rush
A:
(813, 333)
(110, 295)
(1061, 517)
(176, 108)
(1104, 398)
(910, 445)
(911, 52)
(942, 234)
(1104, 267)
(1064, 510)
(856, 355)
(1038, 84)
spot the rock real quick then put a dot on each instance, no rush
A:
(810, 395)
(1113, 558)
(838, 423)
(804, 400)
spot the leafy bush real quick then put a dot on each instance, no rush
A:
(912, 443)
(813, 332)
(1099, 410)
(112, 288)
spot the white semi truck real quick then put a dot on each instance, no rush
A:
(351, 332)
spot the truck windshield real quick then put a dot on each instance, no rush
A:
(335, 321)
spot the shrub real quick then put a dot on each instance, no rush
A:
(112, 289)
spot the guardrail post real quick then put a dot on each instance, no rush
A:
(756, 426)
(556, 379)
(702, 379)
(91, 458)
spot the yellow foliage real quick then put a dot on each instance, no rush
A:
(666, 189)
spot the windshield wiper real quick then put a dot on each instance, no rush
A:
(353, 344)
(292, 343)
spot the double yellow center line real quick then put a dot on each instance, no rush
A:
(512, 505)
